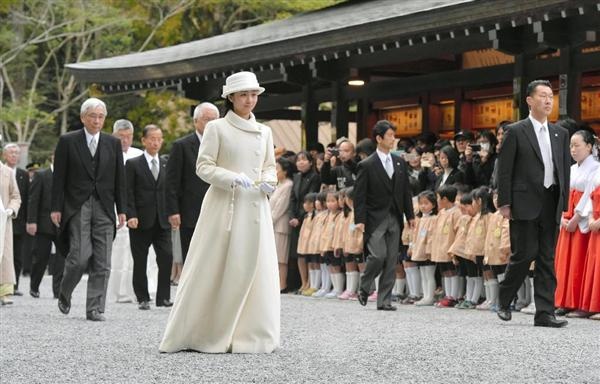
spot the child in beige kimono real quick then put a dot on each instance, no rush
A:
(495, 255)
(443, 235)
(304, 239)
(314, 257)
(418, 248)
(353, 249)
(333, 265)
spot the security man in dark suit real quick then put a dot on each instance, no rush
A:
(88, 184)
(147, 219)
(382, 200)
(185, 190)
(12, 154)
(40, 226)
(533, 189)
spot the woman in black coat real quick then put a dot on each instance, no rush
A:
(450, 173)
(306, 180)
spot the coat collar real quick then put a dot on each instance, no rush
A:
(249, 125)
(532, 137)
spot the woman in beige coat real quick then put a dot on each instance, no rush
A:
(280, 201)
(10, 201)
(228, 296)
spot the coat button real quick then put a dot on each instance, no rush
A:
(255, 204)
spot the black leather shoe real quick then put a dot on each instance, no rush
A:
(387, 307)
(144, 306)
(550, 321)
(64, 306)
(94, 315)
(17, 293)
(504, 314)
(164, 303)
(35, 294)
(362, 298)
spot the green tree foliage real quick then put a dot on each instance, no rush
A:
(39, 98)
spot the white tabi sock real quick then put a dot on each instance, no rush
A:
(494, 290)
(454, 287)
(446, 284)
(486, 289)
(318, 277)
(477, 288)
(429, 282)
(469, 290)
(410, 280)
(401, 283)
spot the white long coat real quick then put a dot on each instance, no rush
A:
(228, 296)
(10, 198)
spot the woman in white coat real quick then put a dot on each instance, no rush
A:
(10, 201)
(228, 296)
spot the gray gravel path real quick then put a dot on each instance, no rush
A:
(322, 341)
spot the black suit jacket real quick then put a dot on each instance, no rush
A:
(521, 170)
(455, 176)
(376, 195)
(185, 190)
(19, 222)
(146, 196)
(74, 179)
(40, 198)
(303, 184)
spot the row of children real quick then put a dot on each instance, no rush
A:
(452, 244)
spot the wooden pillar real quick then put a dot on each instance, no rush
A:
(458, 110)
(339, 111)
(310, 121)
(425, 112)
(362, 119)
(569, 93)
(520, 81)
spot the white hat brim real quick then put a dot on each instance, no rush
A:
(240, 89)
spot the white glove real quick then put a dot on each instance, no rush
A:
(266, 188)
(243, 181)
(9, 212)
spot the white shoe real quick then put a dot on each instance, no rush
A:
(332, 295)
(321, 293)
(424, 302)
(530, 309)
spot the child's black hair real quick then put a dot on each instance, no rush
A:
(429, 195)
(466, 198)
(487, 202)
(449, 192)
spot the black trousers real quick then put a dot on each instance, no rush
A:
(18, 240)
(41, 258)
(533, 240)
(140, 241)
(185, 234)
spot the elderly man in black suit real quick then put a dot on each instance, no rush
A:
(12, 155)
(87, 184)
(147, 219)
(382, 200)
(185, 190)
(40, 226)
(533, 189)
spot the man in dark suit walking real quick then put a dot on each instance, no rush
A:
(382, 199)
(12, 154)
(40, 226)
(87, 184)
(533, 189)
(185, 190)
(147, 219)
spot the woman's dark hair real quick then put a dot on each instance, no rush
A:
(228, 106)
(587, 136)
(441, 144)
(452, 155)
(487, 202)
(287, 166)
(489, 136)
(461, 188)
(502, 125)
(316, 147)
(448, 191)
(429, 195)
(308, 157)
(381, 127)
(466, 198)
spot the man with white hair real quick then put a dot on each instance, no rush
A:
(88, 183)
(12, 155)
(185, 190)
(123, 130)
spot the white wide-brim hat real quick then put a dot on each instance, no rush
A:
(241, 81)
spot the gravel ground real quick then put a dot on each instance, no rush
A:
(322, 341)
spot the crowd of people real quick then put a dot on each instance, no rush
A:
(442, 226)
